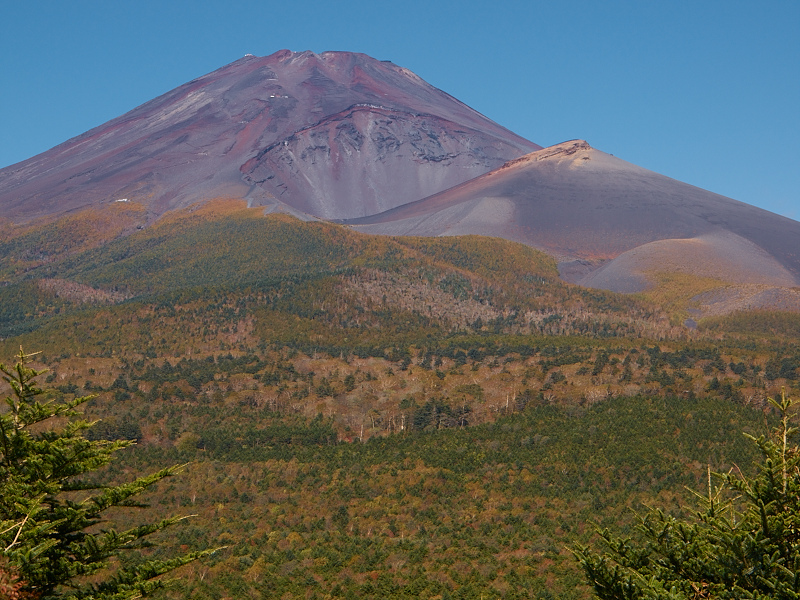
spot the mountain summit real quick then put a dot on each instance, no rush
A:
(332, 135)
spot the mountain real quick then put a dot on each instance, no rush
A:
(370, 416)
(611, 224)
(334, 135)
(343, 137)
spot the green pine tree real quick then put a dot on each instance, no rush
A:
(49, 514)
(743, 542)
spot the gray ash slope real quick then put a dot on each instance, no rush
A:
(611, 224)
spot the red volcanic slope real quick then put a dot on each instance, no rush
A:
(590, 210)
(334, 135)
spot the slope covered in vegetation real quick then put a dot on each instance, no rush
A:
(420, 417)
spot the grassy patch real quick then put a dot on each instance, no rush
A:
(673, 292)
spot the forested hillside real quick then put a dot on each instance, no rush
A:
(365, 417)
(483, 511)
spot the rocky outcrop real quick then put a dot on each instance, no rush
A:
(367, 160)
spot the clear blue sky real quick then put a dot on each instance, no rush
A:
(707, 92)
